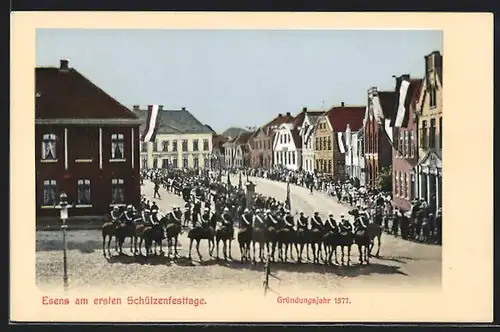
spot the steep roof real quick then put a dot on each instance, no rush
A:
(277, 121)
(64, 93)
(174, 122)
(299, 118)
(243, 138)
(388, 103)
(233, 132)
(340, 116)
(296, 138)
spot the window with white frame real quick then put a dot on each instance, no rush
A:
(196, 162)
(205, 145)
(83, 189)
(49, 192)
(144, 162)
(117, 191)
(117, 146)
(155, 163)
(49, 147)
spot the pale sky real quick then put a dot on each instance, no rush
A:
(239, 77)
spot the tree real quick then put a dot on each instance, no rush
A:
(383, 181)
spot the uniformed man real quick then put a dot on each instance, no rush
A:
(146, 216)
(288, 220)
(344, 225)
(154, 207)
(205, 218)
(156, 189)
(359, 224)
(115, 214)
(129, 215)
(331, 223)
(247, 219)
(270, 221)
(302, 222)
(258, 220)
(227, 221)
(316, 222)
(187, 214)
(174, 216)
(154, 217)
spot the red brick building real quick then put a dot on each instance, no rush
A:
(262, 142)
(378, 133)
(87, 145)
(405, 154)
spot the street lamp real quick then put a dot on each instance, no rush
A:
(63, 209)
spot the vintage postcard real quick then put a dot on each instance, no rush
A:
(251, 167)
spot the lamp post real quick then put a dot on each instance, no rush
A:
(63, 206)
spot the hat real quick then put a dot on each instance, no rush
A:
(246, 210)
(330, 214)
(207, 209)
(226, 209)
(257, 210)
(146, 211)
(116, 207)
(316, 212)
(342, 215)
(301, 212)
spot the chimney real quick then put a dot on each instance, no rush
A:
(160, 107)
(183, 108)
(136, 107)
(288, 114)
(304, 109)
(342, 104)
(150, 108)
(405, 77)
(280, 115)
(64, 65)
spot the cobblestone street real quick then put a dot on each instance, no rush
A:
(402, 263)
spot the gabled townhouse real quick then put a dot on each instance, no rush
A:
(404, 153)
(430, 131)
(330, 138)
(305, 122)
(354, 156)
(287, 147)
(378, 133)
(262, 142)
(243, 149)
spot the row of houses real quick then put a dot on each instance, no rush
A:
(396, 136)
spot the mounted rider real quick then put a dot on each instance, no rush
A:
(302, 222)
(146, 216)
(154, 216)
(331, 224)
(259, 219)
(247, 219)
(344, 225)
(173, 216)
(288, 220)
(316, 222)
(359, 223)
(115, 214)
(270, 220)
(205, 218)
(129, 215)
(227, 221)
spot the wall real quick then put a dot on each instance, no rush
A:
(323, 152)
(285, 153)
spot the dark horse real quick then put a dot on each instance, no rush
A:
(362, 239)
(202, 233)
(150, 234)
(173, 230)
(109, 231)
(225, 234)
(285, 238)
(316, 241)
(259, 236)
(301, 240)
(124, 231)
(244, 240)
(330, 243)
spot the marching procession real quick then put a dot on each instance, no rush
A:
(213, 209)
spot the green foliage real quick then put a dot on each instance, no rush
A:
(384, 179)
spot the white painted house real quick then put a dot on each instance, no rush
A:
(354, 157)
(287, 147)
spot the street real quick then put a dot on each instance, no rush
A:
(401, 263)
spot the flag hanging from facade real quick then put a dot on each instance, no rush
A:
(151, 123)
(228, 180)
(340, 142)
(240, 184)
(403, 99)
(288, 202)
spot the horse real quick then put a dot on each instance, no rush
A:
(284, 238)
(259, 236)
(173, 230)
(345, 239)
(244, 240)
(363, 241)
(316, 241)
(199, 233)
(330, 242)
(108, 231)
(225, 234)
(151, 233)
(124, 231)
(301, 240)
(271, 241)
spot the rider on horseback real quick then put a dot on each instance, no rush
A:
(316, 222)
(115, 214)
(302, 222)
(344, 225)
(205, 218)
(154, 217)
(258, 222)
(331, 223)
(270, 220)
(289, 222)
(247, 219)
(228, 221)
(129, 215)
(359, 223)
(146, 217)
(174, 217)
